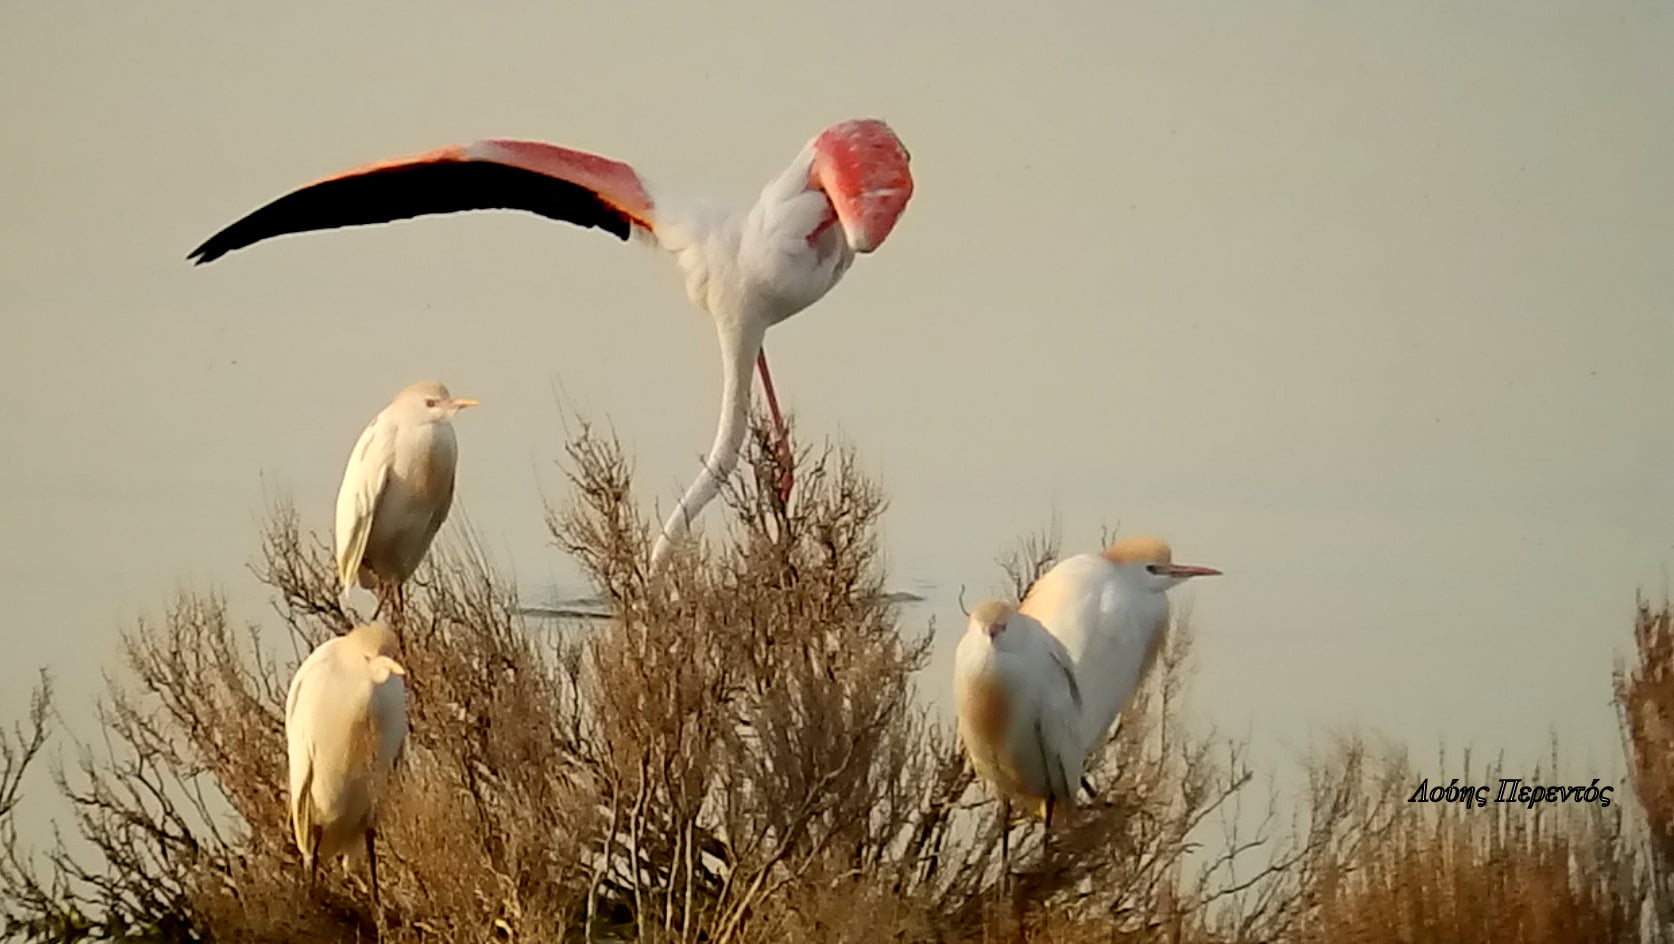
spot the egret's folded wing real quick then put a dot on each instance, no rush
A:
(389, 716)
(357, 499)
(1066, 669)
(444, 503)
(1059, 727)
(299, 743)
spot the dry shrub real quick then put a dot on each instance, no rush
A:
(737, 754)
(1446, 873)
(183, 797)
(1645, 697)
(1645, 694)
(752, 709)
(782, 743)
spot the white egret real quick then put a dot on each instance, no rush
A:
(345, 726)
(1110, 610)
(1019, 712)
(397, 490)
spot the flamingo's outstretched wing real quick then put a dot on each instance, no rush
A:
(555, 182)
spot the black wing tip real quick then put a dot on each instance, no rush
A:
(204, 253)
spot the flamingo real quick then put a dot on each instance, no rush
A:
(749, 270)
(1019, 709)
(1109, 610)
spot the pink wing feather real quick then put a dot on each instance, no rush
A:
(614, 182)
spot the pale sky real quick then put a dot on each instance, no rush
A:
(1366, 304)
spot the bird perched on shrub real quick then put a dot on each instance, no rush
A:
(1110, 611)
(345, 726)
(1019, 712)
(397, 490)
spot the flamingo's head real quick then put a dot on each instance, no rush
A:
(863, 169)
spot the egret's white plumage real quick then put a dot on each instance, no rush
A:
(398, 487)
(345, 726)
(1019, 708)
(1110, 611)
(749, 270)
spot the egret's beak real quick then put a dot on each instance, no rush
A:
(395, 667)
(1183, 570)
(460, 403)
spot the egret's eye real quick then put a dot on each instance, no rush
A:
(1153, 568)
(430, 402)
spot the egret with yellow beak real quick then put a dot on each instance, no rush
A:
(397, 490)
(1110, 611)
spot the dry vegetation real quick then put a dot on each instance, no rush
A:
(1645, 695)
(739, 755)
(1451, 875)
